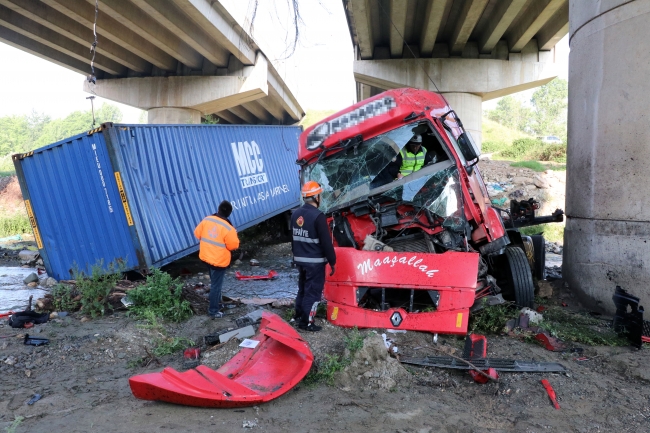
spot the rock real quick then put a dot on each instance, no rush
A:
(531, 187)
(540, 183)
(32, 284)
(545, 289)
(11, 360)
(27, 256)
(254, 262)
(28, 373)
(54, 315)
(523, 180)
(50, 282)
(31, 278)
(84, 319)
(373, 366)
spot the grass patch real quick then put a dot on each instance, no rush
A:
(580, 328)
(324, 371)
(495, 132)
(170, 345)
(492, 320)
(94, 289)
(533, 165)
(160, 297)
(14, 225)
(553, 232)
(14, 425)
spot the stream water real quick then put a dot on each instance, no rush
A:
(14, 294)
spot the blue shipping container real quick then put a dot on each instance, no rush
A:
(134, 193)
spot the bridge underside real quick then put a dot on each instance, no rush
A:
(469, 50)
(179, 59)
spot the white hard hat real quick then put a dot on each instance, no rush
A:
(417, 138)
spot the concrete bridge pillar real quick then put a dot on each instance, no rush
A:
(469, 108)
(172, 115)
(607, 235)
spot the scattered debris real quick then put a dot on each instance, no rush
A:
(250, 318)
(272, 275)
(533, 316)
(254, 262)
(249, 424)
(551, 393)
(629, 318)
(240, 333)
(35, 341)
(34, 399)
(250, 344)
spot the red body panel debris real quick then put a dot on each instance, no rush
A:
(551, 393)
(271, 275)
(253, 376)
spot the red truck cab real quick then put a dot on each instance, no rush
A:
(416, 252)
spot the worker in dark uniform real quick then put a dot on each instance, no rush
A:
(312, 250)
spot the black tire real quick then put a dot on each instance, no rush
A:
(519, 277)
(539, 254)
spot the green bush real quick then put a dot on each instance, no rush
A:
(522, 147)
(553, 152)
(160, 296)
(64, 298)
(94, 290)
(493, 146)
(14, 225)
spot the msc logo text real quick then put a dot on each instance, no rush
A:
(250, 166)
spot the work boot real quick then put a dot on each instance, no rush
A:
(310, 327)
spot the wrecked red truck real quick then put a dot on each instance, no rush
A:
(417, 252)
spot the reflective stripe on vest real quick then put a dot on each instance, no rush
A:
(307, 240)
(218, 221)
(411, 162)
(309, 260)
(219, 244)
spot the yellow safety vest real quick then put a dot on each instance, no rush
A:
(411, 162)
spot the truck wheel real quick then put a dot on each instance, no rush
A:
(539, 254)
(520, 280)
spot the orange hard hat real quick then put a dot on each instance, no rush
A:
(311, 188)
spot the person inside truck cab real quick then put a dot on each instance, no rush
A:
(414, 156)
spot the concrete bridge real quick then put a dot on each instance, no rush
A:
(473, 50)
(177, 59)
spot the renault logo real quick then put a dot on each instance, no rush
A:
(396, 319)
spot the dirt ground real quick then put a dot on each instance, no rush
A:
(82, 376)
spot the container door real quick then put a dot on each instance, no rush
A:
(70, 189)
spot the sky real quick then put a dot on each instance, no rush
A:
(319, 71)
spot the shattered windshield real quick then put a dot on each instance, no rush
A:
(437, 189)
(347, 176)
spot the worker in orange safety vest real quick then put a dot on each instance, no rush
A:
(217, 238)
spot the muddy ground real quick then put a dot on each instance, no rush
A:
(82, 376)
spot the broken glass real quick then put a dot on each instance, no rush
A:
(347, 175)
(436, 188)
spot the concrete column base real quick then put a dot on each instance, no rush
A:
(600, 255)
(171, 115)
(470, 110)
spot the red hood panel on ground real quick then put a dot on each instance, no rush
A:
(253, 376)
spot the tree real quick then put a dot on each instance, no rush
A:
(550, 108)
(512, 113)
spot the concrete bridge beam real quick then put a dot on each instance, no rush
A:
(607, 235)
(179, 98)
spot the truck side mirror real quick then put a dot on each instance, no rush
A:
(467, 146)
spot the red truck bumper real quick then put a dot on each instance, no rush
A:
(452, 275)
